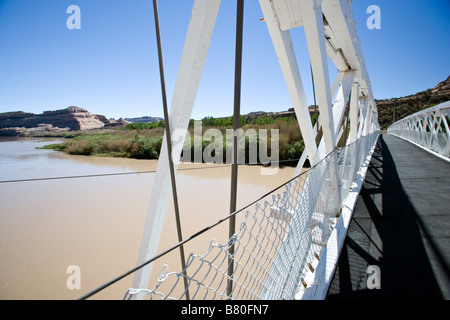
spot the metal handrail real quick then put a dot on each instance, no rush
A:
(428, 129)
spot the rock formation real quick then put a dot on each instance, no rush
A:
(112, 122)
(71, 118)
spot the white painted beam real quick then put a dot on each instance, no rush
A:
(362, 117)
(288, 62)
(287, 13)
(315, 37)
(368, 119)
(343, 34)
(336, 83)
(341, 99)
(203, 18)
(354, 113)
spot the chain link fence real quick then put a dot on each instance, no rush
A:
(278, 243)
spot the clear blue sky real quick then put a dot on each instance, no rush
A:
(110, 67)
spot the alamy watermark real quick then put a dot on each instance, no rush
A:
(374, 278)
(74, 280)
(374, 21)
(74, 20)
(216, 146)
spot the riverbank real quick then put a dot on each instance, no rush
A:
(144, 141)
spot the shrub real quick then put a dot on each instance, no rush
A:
(149, 148)
(295, 150)
(264, 121)
(144, 125)
(84, 148)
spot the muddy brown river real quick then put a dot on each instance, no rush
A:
(58, 210)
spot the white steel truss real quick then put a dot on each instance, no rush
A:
(330, 32)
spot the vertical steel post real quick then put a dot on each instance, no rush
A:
(313, 85)
(236, 126)
(169, 145)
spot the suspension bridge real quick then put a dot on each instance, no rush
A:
(295, 242)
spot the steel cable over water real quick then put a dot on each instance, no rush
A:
(278, 243)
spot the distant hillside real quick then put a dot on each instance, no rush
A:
(405, 106)
(259, 117)
(146, 119)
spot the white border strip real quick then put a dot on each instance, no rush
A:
(330, 255)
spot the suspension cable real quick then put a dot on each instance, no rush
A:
(195, 235)
(236, 126)
(169, 144)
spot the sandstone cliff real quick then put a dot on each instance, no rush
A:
(71, 118)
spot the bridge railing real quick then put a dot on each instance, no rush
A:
(282, 238)
(428, 128)
(289, 240)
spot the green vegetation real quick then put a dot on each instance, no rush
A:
(55, 146)
(144, 125)
(144, 140)
(117, 144)
(217, 122)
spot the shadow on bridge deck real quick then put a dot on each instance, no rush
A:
(401, 224)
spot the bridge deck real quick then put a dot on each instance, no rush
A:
(401, 224)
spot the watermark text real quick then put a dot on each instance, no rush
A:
(74, 20)
(374, 20)
(74, 280)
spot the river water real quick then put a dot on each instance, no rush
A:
(59, 210)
